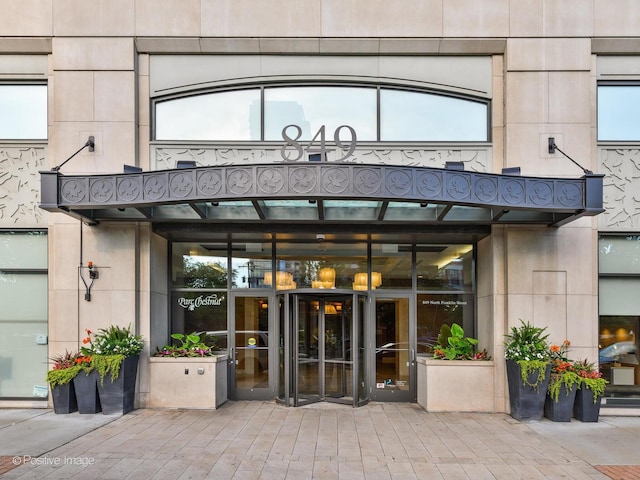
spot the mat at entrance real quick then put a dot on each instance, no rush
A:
(620, 472)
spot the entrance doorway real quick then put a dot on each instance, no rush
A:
(322, 347)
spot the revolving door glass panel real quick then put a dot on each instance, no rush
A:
(322, 348)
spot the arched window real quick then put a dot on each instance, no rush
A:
(376, 113)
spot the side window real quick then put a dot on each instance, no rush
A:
(619, 113)
(23, 111)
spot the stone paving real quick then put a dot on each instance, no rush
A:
(262, 440)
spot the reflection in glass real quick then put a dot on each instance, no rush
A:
(233, 115)
(392, 344)
(303, 263)
(312, 107)
(195, 266)
(435, 310)
(252, 342)
(416, 116)
(619, 254)
(444, 267)
(618, 107)
(23, 112)
(393, 262)
(203, 312)
(251, 265)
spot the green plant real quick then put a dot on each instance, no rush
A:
(590, 377)
(190, 346)
(527, 343)
(562, 371)
(458, 347)
(65, 368)
(113, 340)
(527, 346)
(443, 336)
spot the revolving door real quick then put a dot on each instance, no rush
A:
(321, 347)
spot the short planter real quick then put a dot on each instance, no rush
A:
(526, 399)
(561, 410)
(117, 395)
(187, 382)
(456, 385)
(64, 398)
(584, 408)
(86, 388)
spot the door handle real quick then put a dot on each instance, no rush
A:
(231, 355)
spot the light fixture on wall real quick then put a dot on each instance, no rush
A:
(327, 277)
(552, 149)
(93, 276)
(91, 143)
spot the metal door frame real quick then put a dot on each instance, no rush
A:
(384, 395)
(233, 392)
(290, 301)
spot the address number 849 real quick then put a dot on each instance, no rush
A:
(293, 150)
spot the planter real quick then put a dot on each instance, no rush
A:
(64, 398)
(191, 382)
(526, 401)
(117, 395)
(86, 388)
(584, 408)
(560, 410)
(456, 385)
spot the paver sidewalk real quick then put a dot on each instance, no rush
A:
(262, 440)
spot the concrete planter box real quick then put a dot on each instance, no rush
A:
(193, 382)
(456, 385)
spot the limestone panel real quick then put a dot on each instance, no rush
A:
(582, 321)
(24, 66)
(64, 256)
(171, 18)
(519, 307)
(277, 18)
(83, 53)
(63, 317)
(526, 18)
(475, 18)
(114, 96)
(68, 137)
(616, 18)
(26, 18)
(567, 94)
(550, 311)
(549, 54)
(73, 97)
(380, 18)
(549, 282)
(569, 18)
(112, 250)
(527, 146)
(119, 145)
(527, 97)
(95, 18)
(577, 256)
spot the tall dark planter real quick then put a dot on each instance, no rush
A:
(117, 396)
(64, 398)
(86, 387)
(562, 409)
(527, 402)
(584, 409)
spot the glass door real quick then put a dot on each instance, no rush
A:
(322, 349)
(395, 355)
(248, 344)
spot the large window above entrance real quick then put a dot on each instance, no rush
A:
(375, 113)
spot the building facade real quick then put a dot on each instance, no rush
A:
(318, 186)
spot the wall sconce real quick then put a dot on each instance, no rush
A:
(93, 276)
(91, 143)
(552, 149)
